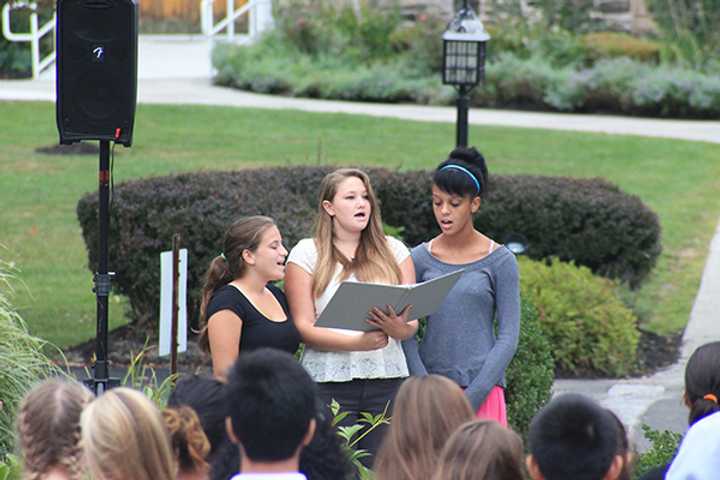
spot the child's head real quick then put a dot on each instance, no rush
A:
(48, 425)
(702, 382)
(348, 206)
(573, 438)
(188, 440)
(271, 405)
(459, 185)
(205, 395)
(426, 412)
(124, 436)
(481, 450)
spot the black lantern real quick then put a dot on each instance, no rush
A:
(464, 61)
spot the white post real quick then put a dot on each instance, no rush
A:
(35, 45)
(263, 16)
(231, 22)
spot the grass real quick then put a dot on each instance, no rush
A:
(680, 180)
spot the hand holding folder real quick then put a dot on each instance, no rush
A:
(352, 302)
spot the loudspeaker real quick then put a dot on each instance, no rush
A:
(96, 70)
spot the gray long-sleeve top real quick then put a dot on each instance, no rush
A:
(460, 342)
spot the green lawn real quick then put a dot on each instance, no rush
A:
(38, 193)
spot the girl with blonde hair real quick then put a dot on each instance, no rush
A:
(48, 427)
(361, 371)
(124, 437)
(482, 450)
(241, 310)
(427, 411)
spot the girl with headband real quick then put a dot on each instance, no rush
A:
(460, 341)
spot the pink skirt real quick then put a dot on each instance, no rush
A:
(493, 408)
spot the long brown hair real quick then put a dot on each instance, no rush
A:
(482, 450)
(48, 427)
(373, 261)
(427, 410)
(244, 234)
(124, 436)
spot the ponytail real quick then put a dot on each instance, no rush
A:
(217, 275)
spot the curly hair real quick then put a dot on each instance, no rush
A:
(187, 437)
(48, 426)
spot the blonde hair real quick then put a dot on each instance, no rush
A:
(124, 437)
(48, 427)
(482, 450)
(189, 443)
(373, 261)
(244, 234)
(427, 410)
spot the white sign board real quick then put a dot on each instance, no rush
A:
(166, 302)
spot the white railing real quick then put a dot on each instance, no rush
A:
(259, 14)
(38, 64)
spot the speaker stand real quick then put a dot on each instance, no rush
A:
(101, 380)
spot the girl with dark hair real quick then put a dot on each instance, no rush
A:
(240, 309)
(702, 395)
(460, 341)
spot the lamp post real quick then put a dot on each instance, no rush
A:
(464, 62)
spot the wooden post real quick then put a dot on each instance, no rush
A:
(175, 308)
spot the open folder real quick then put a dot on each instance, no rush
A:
(350, 306)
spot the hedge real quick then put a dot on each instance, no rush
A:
(531, 372)
(592, 332)
(590, 222)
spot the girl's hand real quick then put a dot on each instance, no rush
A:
(372, 341)
(395, 325)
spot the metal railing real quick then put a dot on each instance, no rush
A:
(36, 33)
(259, 14)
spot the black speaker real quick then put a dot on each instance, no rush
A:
(96, 70)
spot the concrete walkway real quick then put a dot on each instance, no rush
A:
(176, 70)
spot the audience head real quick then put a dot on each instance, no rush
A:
(348, 203)
(463, 174)
(271, 405)
(324, 458)
(124, 436)
(189, 443)
(573, 438)
(426, 412)
(702, 382)
(205, 395)
(48, 425)
(623, 448)
(246, 239)
(481, 450)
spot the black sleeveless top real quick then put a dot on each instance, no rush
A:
(257, 330)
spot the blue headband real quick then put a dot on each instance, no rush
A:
(452, 166)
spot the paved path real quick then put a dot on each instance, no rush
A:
(176, 70)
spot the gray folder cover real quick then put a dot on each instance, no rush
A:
(352, 301)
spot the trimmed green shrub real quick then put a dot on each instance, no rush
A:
(530, 374)
(590, 329)
(601, 45)
(22, 361)
(588, 221)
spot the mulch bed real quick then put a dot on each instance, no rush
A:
(654, 352)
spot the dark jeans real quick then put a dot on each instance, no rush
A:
(362, 395)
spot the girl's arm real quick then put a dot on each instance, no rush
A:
(224, 330)
(507, 303)
(298, 289)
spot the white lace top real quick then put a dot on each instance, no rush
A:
(387, 362)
